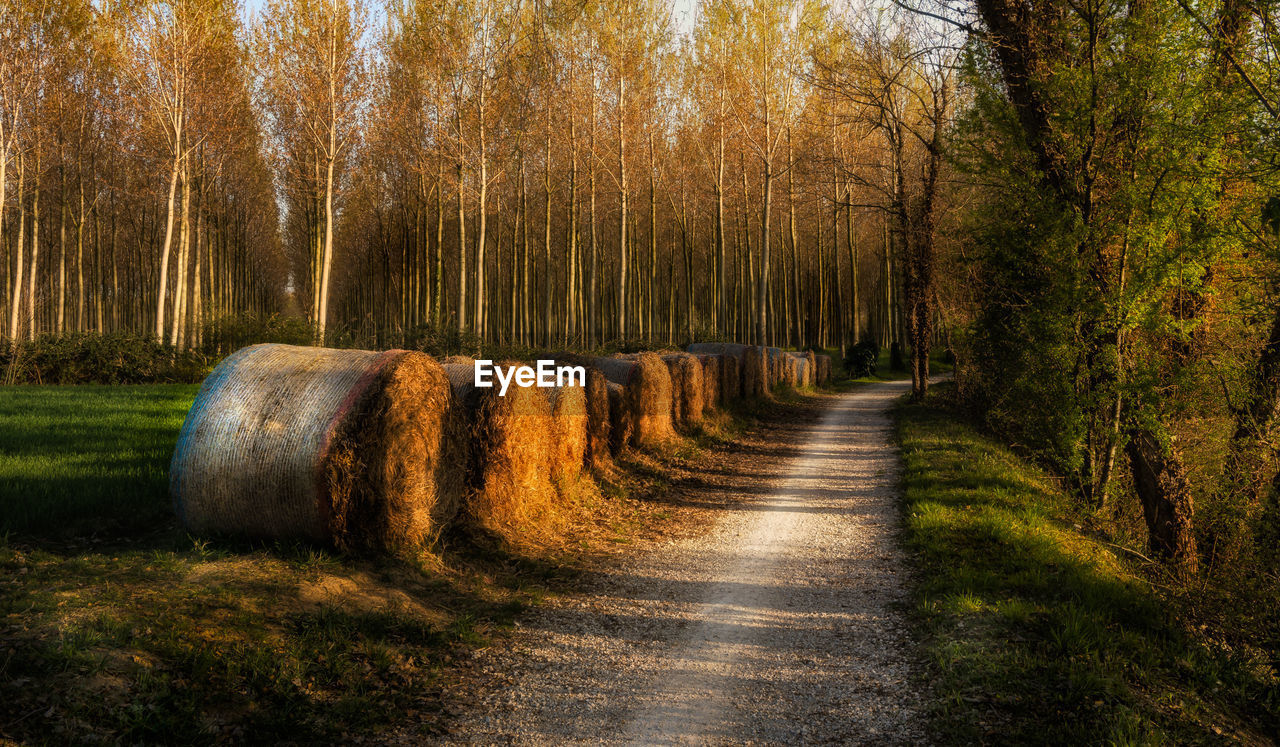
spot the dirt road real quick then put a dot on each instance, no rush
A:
(777, 625)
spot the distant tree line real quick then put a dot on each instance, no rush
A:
(539, 172)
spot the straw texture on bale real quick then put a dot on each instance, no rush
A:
(750, 365)
(598, 418)
(569, 426)
(777, 367)
(710, 380)
(621, 424)
(755, 382)
(686, 389)
(644, 404)
(509, 477)
(730, 379)
(803, 369)
(347, 447)
(822, 369)
(804, 374)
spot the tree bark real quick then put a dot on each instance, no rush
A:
(1161, 483)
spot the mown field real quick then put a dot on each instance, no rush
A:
(1036, 629)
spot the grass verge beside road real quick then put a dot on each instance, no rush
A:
(1034, 631)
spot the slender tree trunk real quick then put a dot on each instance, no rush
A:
(62, 255)
(546, 237)
(35, 255)
(180, 288)
(462, 240)
(854, 302)
(622, 217)
(19, 265)
(168, 232)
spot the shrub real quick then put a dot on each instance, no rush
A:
(860, 360)
(90, 358)
(230, 333)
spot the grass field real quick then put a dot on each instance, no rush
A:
(116, 625)
(1036, 631)
(71, 456)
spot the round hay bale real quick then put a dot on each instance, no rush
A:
(755, 381)
(710, 380)
(509, 480)
(686, 389)
(822, 369)
(569, 426)
(812, 361)
(644, 407)
(346, 447)
(730, 379)
(718, 348)
(802, 369)
(598, 418)
(777, 365)
(621, 424)
(751, 380)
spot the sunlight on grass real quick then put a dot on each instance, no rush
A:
(75, 454)
(1029, 621)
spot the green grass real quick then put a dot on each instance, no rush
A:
(116, 626)
(73, 455)
(1035, 631)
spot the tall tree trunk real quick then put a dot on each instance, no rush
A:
(854, 301)
(622, 217)
(15, 300)
(62, 254)
(462, 240)
(481, 221)
(35, 255)
(1161, 483)
(180, 288)
(168, 232)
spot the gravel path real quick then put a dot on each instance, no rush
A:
(777, 625)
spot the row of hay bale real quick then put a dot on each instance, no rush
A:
(384, 450)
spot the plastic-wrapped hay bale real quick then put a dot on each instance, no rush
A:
(347, 447)
(509, 476)
(686, 389)
(710, 380)
(643, 404)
